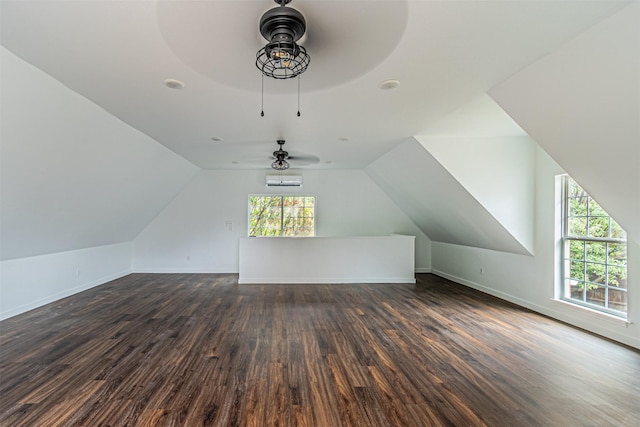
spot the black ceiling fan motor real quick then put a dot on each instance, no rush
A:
(280, 154)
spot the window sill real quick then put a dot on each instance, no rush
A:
(609, 318)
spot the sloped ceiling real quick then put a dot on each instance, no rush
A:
(445, 53)
(72, 175)
(436, 201)
(582, 105)
(75, 175)
(499, 172)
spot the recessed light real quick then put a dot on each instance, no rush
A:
(217, 138)
(343, 138)
(235, 162)
(389, 84)
(173, 84)
(328, 162)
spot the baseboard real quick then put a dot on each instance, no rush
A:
(486, 290)
(323, 280)
(271, 280)
(570, 318)
(66, 293)
(187, 270)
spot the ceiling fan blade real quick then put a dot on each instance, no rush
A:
(306, 159)
(296, 159)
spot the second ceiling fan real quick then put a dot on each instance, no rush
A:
(282, 157)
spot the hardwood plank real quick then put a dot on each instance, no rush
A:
(199, 349)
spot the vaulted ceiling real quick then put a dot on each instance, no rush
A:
(444, 53)
(566, 71)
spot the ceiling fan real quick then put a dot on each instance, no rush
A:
(282, 158)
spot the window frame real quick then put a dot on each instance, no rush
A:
(282, 210)
(565, 255)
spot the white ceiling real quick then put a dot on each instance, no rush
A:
(446, 54)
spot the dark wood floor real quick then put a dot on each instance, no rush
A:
(191, 350)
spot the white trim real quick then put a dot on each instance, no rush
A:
(423, 269)
(66, 293)
(603, 316)
(481, 288)
(324, 280)
(562, 247)
(282, 196)
(567, 313)
(187, 270)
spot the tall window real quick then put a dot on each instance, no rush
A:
(282, 216)
(594, 254)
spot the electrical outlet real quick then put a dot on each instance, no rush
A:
(481, 270)
(77, 271)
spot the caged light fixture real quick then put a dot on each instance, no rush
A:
(282, 58)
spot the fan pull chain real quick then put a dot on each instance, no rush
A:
(262, 100)
(262, 97)
(298, 95)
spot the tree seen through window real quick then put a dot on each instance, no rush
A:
(286, 216)
(595, 254)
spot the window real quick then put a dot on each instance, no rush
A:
(291, 216)
(594, 254)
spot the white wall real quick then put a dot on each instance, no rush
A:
(498, 172)
(192, 235)
(77, 186)
(529, 280)
(72, 175)
(27, 283)
(437, 202)
(581, 104)
(369, 259)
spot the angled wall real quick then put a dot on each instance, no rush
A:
(436, 201)
(77, 185)
(498, 172)
(529, 280)
(27, 283)
(74, 176)
(581, 104)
